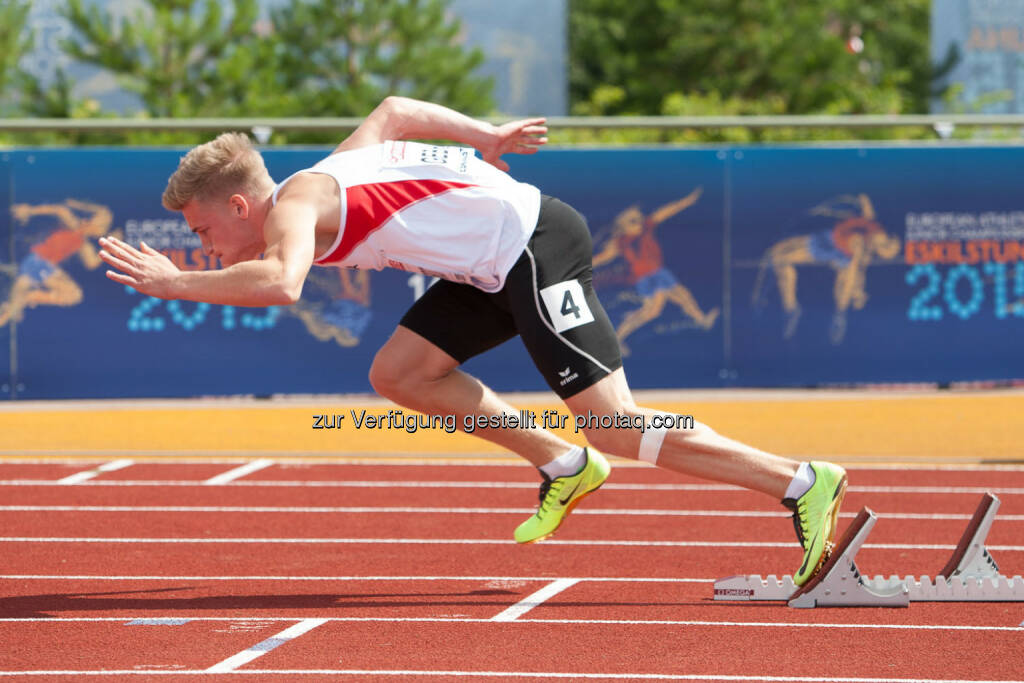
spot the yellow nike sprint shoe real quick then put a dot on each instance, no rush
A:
(815, 516)
(560, 495)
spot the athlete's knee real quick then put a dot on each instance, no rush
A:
(394, 374)
(617, 433)
(612, 442)
(387, 374)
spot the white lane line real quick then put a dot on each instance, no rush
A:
(627, 675)
(397, 509)
(530, 601)
(366, 509)
(163, 483)
(399, 460)
(238, 472)
(262, 648)
(496, 579)
(80, 477)
(158, 621)
(481, 541)
(616, 622)
(364, 673)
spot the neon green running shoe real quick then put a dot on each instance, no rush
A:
(815, 516)
(560, 495)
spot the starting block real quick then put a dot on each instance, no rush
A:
(970, 575)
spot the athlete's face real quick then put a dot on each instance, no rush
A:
(886, 246)
(227, 228)
(630, 221)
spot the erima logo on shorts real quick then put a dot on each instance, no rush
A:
(566, 377)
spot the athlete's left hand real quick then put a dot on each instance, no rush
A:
(515, 137)
(148, 271)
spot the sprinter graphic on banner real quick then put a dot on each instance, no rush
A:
(335, 305)
(39, 279)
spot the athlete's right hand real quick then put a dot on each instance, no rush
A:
(148, 271)
(515, 137)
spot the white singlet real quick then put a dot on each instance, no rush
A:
(429, 209)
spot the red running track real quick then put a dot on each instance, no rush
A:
(406, 572)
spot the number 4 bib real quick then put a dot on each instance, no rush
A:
(566, 305)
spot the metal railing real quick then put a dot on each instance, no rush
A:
(942, 126)
(932, 121)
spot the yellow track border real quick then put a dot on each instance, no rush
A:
(980, 427)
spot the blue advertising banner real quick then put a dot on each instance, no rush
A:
(876, 265)
(80, 334)
(655, 217)
(754, 266)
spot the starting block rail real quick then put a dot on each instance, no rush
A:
(970, 575)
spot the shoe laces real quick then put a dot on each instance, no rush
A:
(545, 489)
(798, 520)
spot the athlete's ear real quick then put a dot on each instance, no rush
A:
(239, 206)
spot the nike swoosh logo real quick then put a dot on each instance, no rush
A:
(565, 500)
(803, 567)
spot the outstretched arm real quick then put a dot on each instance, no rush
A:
(401, 118)
(86, 206)
(608, 253)
(90, 259)
(867, 209)
(22, 212)
(669, 210)
(274, 280)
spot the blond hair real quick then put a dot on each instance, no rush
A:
(227, 164)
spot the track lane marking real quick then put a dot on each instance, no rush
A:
(940, 490)
(263, 647)
(221, 457)
(610, 676)
(534, 599)
(506, 674)
(616, 622)
(238, 472)
(81, 477)
(65, 577)
(366, 509)
(480, 541)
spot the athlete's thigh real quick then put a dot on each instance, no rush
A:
(459, 319)
(557, 313)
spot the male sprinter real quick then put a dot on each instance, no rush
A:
(511, 262)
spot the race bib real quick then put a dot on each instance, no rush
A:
(399, 153)
(566, 305)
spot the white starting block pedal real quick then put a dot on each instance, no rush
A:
(839, 584)
(970, 575)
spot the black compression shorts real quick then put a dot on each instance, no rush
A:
(548, 300)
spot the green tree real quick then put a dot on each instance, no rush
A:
(15, 41)
(168, 53)
(313, 58)
(341, 57)
(760, 56)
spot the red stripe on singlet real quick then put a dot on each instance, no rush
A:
(370, 206)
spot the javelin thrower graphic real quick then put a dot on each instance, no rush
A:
(633, 240)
